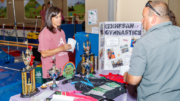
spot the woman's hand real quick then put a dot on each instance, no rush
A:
(65, 47)
(52, 52)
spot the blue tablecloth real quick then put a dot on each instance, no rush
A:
(5, 58)
(10, 90)
(10, 76)
(10, 81)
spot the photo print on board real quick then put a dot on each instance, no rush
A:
(102, 42)
(133, 41)
(124, 48)
(101, 29)
(117, 63)
(102, 64)
(101, 53)
(110, 53)
(127, 59)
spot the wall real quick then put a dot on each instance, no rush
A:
(166, 1)
(19, 7)
(102, 8)
(174, 7)
(65, 8)
(130, 10)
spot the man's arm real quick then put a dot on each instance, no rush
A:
(52, 52)
(138, 64)
(132, 80)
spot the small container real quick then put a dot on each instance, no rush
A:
(43, 86)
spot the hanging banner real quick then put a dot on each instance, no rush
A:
(76, 7)
(3, 9)
(32, 8)
(123, 28)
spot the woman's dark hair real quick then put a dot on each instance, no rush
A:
(51, 12)
(43, 6)
(172, 18)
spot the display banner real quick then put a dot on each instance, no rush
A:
(3, 9)
(116, 42)
(123, 28)
(76, 7)
(32, 8)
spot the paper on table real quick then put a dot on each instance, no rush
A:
(124, 69)
(62, 98)
(43, 95)
(73, 43)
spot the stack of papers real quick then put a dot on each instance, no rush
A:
(62, 98)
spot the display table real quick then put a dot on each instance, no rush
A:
(129, 96)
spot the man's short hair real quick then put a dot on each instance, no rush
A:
(161, 7)
(48, 3)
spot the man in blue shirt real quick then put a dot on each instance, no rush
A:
(155, 60)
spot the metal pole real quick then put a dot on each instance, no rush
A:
(15, 24)
(8, 51)
(3, 32)
(95, 63)
(36, 23)
(51, 3)
(74, 24)
(23, 32)
(16, 37)
(14, 14)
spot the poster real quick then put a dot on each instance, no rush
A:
(32, 8)
(119, 39)
(3, 9)
(92, 17)
(76, 7)
(95, 30)
(101, 48)
(123, 29)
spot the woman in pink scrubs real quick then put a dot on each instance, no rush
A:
(52, 42)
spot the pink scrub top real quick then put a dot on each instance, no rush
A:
(43, 13)
(48, 41)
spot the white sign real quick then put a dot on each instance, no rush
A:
(92, 17)
(95, 30)
(112, 41)
(123, 28)
(127, 59)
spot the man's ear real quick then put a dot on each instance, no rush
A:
(154, 19)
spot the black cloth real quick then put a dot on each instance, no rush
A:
(36, 54)
(79, 68)
(83, 26)
(64, 22)
(111, 94)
